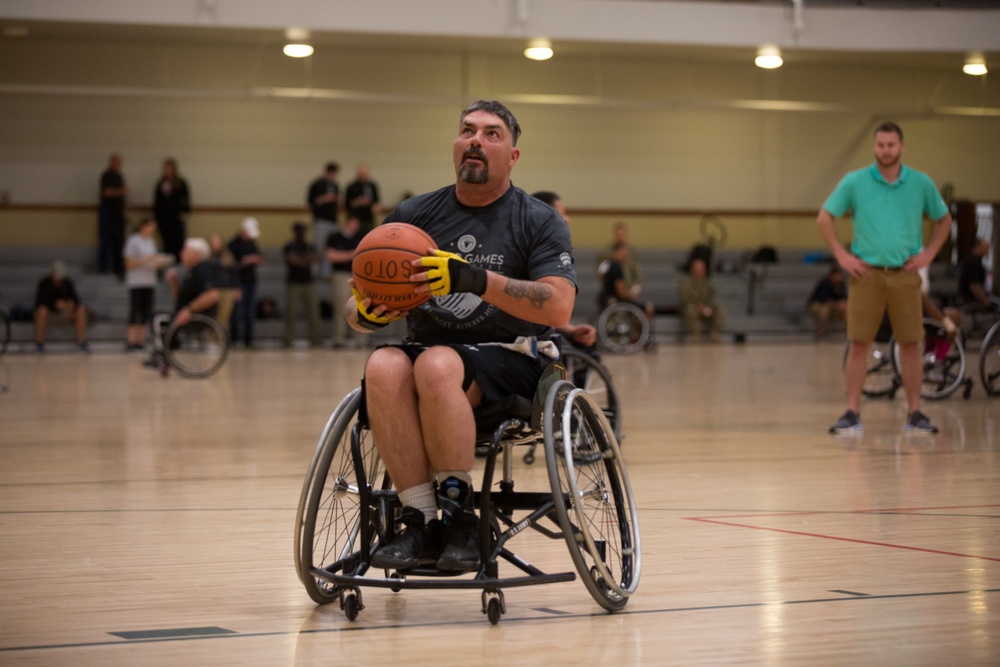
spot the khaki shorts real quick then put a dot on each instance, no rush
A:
(870, 296)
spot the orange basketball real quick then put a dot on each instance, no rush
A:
(382, 267)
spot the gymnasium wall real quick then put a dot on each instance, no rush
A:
(656, 141)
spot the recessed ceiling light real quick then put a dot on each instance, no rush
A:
(975, 65)
(768, 57)
(539, 49)
(297, 50)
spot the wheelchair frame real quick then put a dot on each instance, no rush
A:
(940, 377)
(202, 338)
(347, 507)
(989, 361)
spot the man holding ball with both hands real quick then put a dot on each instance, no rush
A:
(504, 280)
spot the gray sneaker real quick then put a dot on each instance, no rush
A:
(918, 421)
(850, 422)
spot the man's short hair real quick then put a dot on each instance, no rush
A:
(332, 166)
(200, 246)
(547, 196)
(889, 126)
(497, 109)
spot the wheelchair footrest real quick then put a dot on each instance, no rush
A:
(486, 583)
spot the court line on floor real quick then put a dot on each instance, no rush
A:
(912, 512)
(451, 623)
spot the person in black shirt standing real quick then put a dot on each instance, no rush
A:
(363, 199)
(324, 202)
(300, 289)
(171, 202)
(340, 247)
(246, 256)
(111, 219)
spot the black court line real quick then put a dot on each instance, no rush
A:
(431, 624)
(851, 593)
(172, 632)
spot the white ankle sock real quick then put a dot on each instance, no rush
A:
(421, 497)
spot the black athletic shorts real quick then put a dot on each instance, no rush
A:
(140, 304)
(499, 372)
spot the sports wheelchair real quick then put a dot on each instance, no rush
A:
(989, 361)
(348, 507)
(195, 349)
(943, 364)
(623, 328)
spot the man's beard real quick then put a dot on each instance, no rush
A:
(891, 162)
(473, 173)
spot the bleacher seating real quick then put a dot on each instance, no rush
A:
(778, 302)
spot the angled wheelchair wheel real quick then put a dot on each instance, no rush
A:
(592, 495)
(623, 328)
(591, 375)
(197, 348)
(328, 529)
(989, 361)
(943, 361)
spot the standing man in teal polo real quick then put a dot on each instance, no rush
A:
(887, 202)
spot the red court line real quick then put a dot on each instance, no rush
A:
(841, 539)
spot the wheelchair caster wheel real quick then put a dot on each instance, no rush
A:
(529, 456)
(351, 604)
(494, 606)
(396, 575)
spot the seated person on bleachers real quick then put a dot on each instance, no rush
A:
(198, 292)
(630, 269)
(828, 300)
(698, 302)
(972, 277)
(56, 296)
(614, 287)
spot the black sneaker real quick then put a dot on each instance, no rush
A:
(918, 421)
(461, 553)
(850, 422)
(407, 550)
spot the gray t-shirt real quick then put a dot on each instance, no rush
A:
(137, 247)
(517, 236)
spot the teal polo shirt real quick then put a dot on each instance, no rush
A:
(887, 217)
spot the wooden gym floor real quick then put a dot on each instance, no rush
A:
(148, 521)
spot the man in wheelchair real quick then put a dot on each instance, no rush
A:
(503, 280)
(198, 292)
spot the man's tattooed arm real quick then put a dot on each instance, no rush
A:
(536, 293)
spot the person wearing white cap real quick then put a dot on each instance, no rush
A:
(247, 257)
(56, 295)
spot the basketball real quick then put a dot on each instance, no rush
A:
(382, 268)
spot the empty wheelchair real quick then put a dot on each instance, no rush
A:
(943, 362)
(348, 507)
(195, 349)
(989, 361)
(623, 328)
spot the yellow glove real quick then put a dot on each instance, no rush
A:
(448, 273)
(365, 317)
